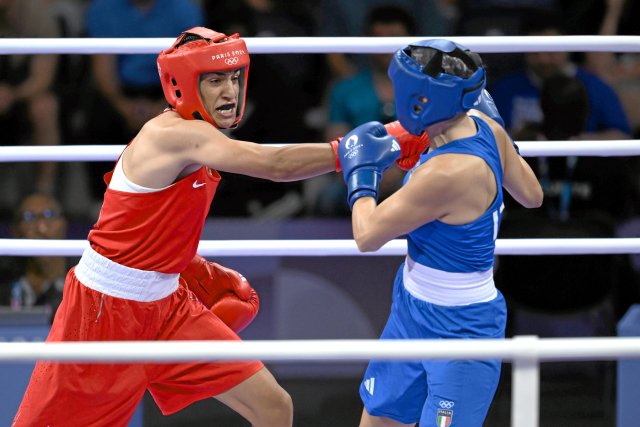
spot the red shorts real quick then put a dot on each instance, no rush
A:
(63, 394)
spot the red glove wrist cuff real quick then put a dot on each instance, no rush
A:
(334, 147)
(395, 129)
(412, 146)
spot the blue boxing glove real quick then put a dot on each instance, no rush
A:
(365, 153)
(487, 106)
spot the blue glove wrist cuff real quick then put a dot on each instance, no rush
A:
(361, 183)
(487, 105)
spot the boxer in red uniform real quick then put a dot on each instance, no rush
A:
(141, 279)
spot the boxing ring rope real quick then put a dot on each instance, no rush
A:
(335, 247)
(360, 350)
(525, 353)
(356, 45)
(94, 153)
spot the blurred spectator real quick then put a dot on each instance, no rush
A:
(498, 18)
(28, 107)
(74, 75)
(129, 91)
(564, 103)
(575, 185)
(340, 18)
(621, 70)
(368, 95)
(554, 99)
(72, 86)
(507, 17)
(583, 197)
(280, 85)
(36, 281)
(363, 97)
(517, 95)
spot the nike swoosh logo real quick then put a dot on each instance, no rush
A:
(196, 185)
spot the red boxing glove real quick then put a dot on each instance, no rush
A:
(224, 291)
(411, 146)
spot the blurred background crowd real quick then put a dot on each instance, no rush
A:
(104, 99)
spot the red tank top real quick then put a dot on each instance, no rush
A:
(157, 231)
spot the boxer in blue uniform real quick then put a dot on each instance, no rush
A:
(449, 207)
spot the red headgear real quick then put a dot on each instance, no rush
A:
(181, 65)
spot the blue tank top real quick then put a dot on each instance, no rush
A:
(468, 247)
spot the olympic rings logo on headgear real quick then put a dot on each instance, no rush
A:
(232, 61)
(446, 404)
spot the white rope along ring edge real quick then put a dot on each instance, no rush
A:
(355, 45)
(69, 153)
(524, 347)
(336, 247)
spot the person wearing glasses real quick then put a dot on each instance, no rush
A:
(37, 280)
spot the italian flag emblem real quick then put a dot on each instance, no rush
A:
(444, 417)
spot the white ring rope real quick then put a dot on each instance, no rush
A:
(335, 247)
(357, 45)
(547, 349)
(94, 153)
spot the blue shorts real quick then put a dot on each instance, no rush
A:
(443, 393)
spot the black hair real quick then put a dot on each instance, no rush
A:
(565, 105)
(192, 37)
(461, 63)
(455, 66)
(390, 15)
(188, 38)
(538, 21)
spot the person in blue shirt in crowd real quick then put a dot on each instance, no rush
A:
(360, 98)
(130, 82)
(517, 95)
(449, 207)
(368, 95)
(128, 92)
(339, 18)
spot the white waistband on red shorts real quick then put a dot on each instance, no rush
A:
(445, 288)
(103, 275)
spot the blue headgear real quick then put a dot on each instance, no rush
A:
(424, 93)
